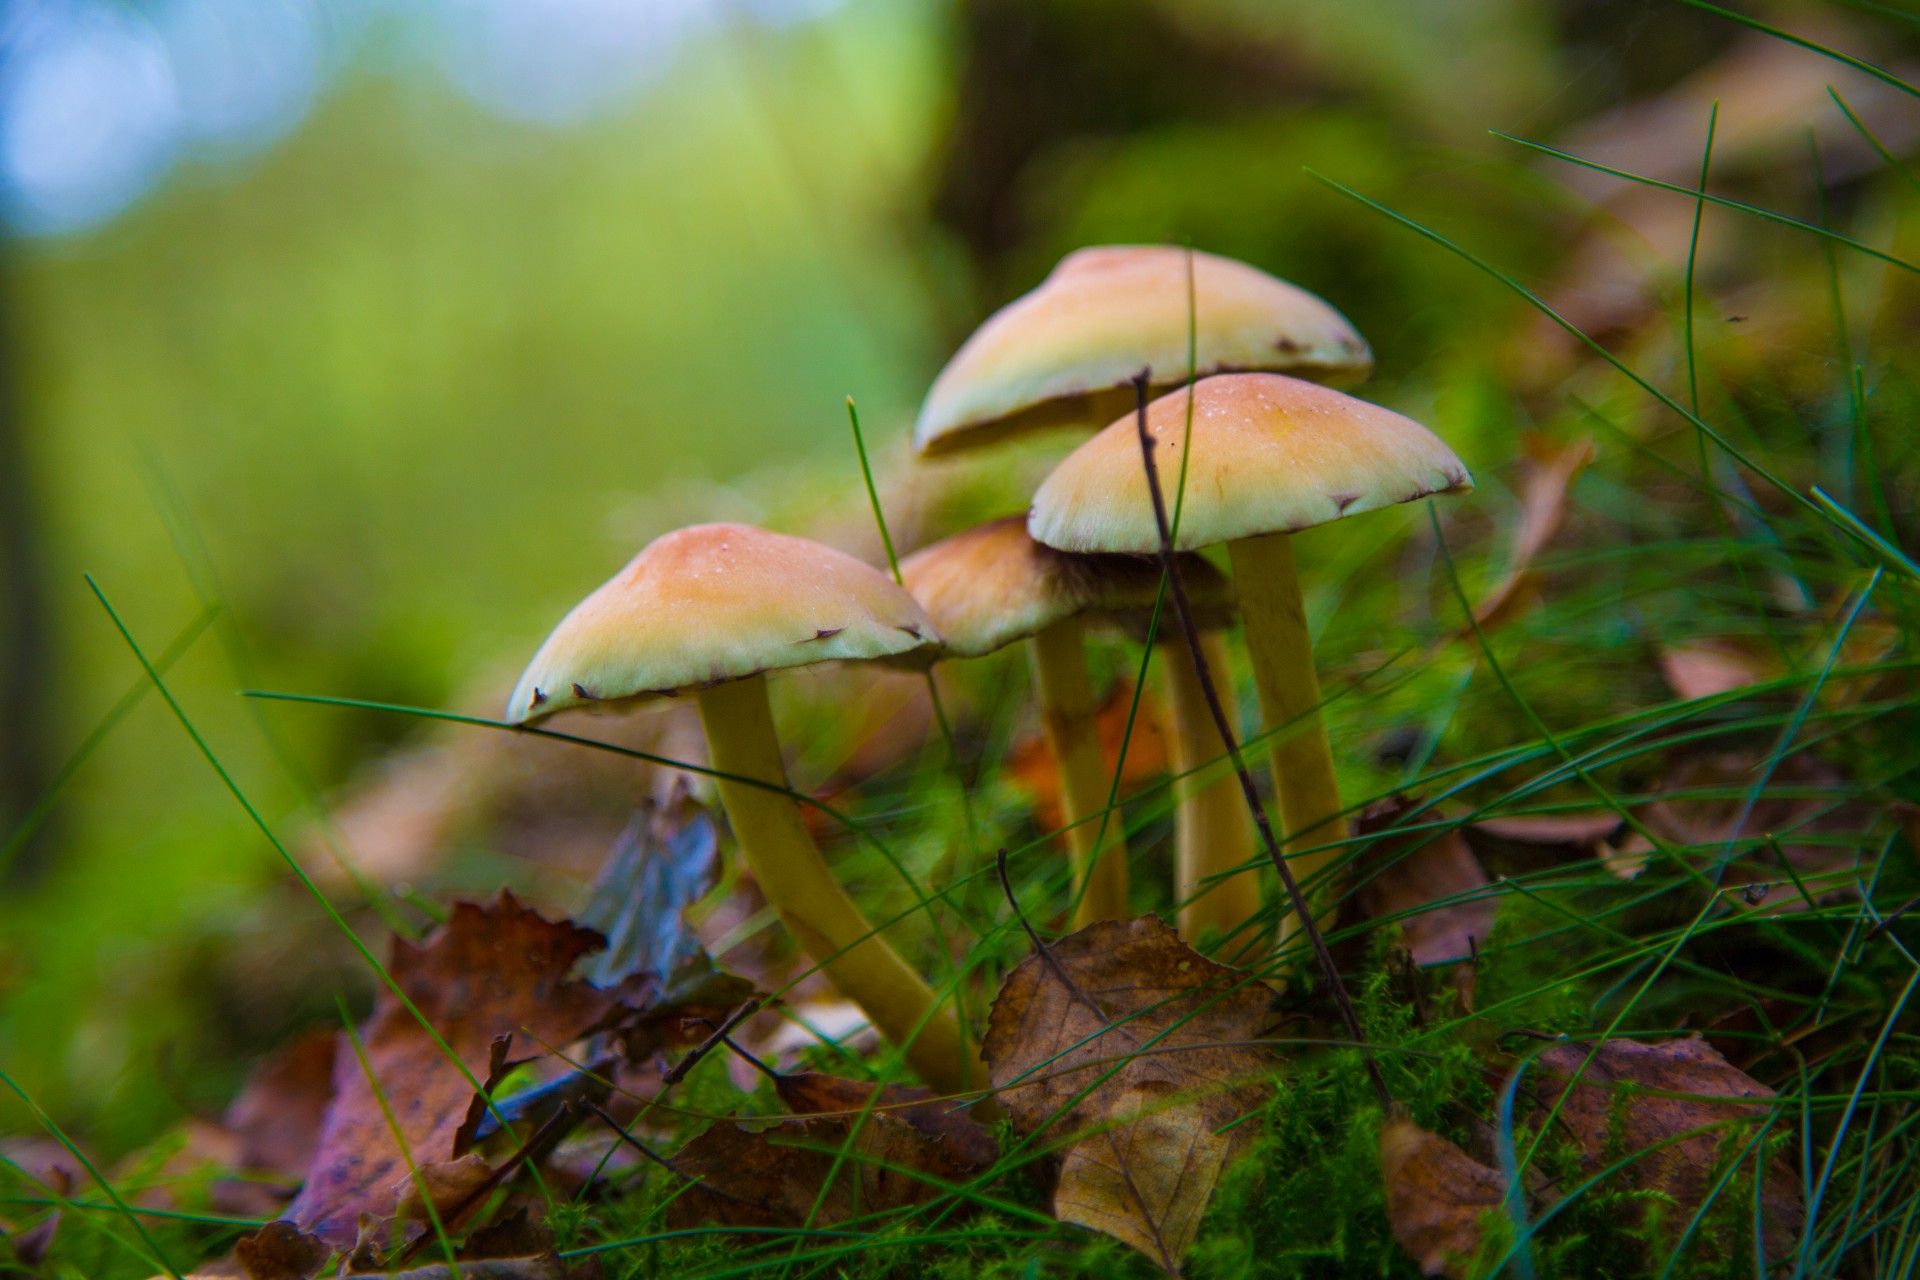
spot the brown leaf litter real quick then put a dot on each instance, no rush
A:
(1431, 879)
(1684, 1111)
(490, 972)
(852, 1150)
(1130, 1052)
(1437, 1197)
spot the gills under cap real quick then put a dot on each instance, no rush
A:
(1270, 454)
(1065, 353)
(993, 585)
(716, 602)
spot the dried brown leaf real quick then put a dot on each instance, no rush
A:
(1805, 812)
(1130, 1050)
(280, 1251)
(1708, 668)
(278, 1112)
(1551, 828)
(1406, 873)
(30, 1247)
(829, 1167)
(1623, 1097)
(490, 971)
(811, 1093)
(1436, 1196)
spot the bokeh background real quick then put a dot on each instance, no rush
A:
(347, 342)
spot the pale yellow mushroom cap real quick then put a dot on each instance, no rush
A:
(1270, 454)
(718, 602)
(993, 584)
(1065, 353)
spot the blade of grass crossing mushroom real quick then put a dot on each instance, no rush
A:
(933, 689)
(1191, 862)
(1203, 865)
(1171, 569)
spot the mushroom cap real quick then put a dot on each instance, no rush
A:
(1270, 454)
(717, 602)
(1065, 353)
(993, 584)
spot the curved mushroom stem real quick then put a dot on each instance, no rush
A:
(1212, 834)
(1073, 735)
(1281, 651)
(830, 928)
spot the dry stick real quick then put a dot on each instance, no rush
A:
(678, 1072)
(1170, 564)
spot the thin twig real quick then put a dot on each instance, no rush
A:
(678, 1072)
(1170, 563)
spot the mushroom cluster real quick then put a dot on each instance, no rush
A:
(1257, 446)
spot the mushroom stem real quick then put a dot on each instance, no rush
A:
(1211, 833)
(1067, 718)
(798, 884)
(1281, 651)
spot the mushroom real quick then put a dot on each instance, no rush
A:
(713, 608)
(1212, 832)
(1066, 353)
(1268, 456)
(993, 585)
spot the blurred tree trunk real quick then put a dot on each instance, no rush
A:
(26, 658)
(1034, 78)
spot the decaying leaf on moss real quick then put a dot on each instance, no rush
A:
(1682, 1111)
(1132, 1052)
(1431, 880)
(853, 1150)
(490, 971)
(1437, 1195)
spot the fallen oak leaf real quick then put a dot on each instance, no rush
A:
(1437, 1196)
(1683, 1109)
(856, 1155)
(490, 971)
(1131, 1051)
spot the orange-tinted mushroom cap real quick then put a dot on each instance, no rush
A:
(1270, 454)
(1065, 353)
(716, 602)
(993, 584)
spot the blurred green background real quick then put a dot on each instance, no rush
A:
(401, 337)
